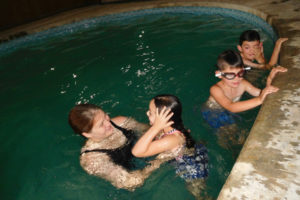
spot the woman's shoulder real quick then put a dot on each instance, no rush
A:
(119, 120)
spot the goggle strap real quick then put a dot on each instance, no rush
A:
(218, 74)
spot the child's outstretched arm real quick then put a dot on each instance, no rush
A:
(147, 146)
(273, 72)
(275, 54)
(235, 107)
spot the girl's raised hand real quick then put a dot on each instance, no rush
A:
(162, 118)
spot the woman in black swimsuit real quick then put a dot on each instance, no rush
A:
(107, 151)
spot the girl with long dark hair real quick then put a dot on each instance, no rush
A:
(168, 138)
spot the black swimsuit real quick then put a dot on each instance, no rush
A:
(121, 155)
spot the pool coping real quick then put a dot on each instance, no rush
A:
(268, 166)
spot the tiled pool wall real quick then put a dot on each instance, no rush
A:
(122, 17)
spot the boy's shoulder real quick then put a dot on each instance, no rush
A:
(216, 87)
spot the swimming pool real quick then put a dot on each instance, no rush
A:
(118, 62)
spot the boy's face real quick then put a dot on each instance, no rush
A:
(249, 49)
(232, 77)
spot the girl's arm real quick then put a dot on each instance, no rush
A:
(147, 146)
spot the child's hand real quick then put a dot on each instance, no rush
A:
(268, 90)
(280, 41)
(162, 118)
(259, 54)
(273, 72)
(279, 69)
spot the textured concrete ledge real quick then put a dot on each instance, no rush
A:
(268, 166)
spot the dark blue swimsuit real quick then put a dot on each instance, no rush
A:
(193, 166)
(216, 116)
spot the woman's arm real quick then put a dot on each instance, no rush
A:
(131, 124)
(99, 164)
(137, 127)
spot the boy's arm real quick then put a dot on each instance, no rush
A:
(217, 93)
(254, 91)
(275, 54)
(254, 65)
(273, 72)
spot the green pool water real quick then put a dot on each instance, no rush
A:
(119, 66)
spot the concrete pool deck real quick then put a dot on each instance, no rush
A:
(268, 166)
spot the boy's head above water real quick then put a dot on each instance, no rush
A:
(249, 36)
(249, 44)
(229, 59)
(230, 65)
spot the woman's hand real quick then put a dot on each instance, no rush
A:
(162, 118)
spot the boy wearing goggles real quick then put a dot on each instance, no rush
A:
(224, 99)
(251, 49)
(231, 87)
(225, 94)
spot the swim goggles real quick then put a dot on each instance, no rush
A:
(231, 75)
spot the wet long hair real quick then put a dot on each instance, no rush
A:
(172, 102)
(81, 117)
